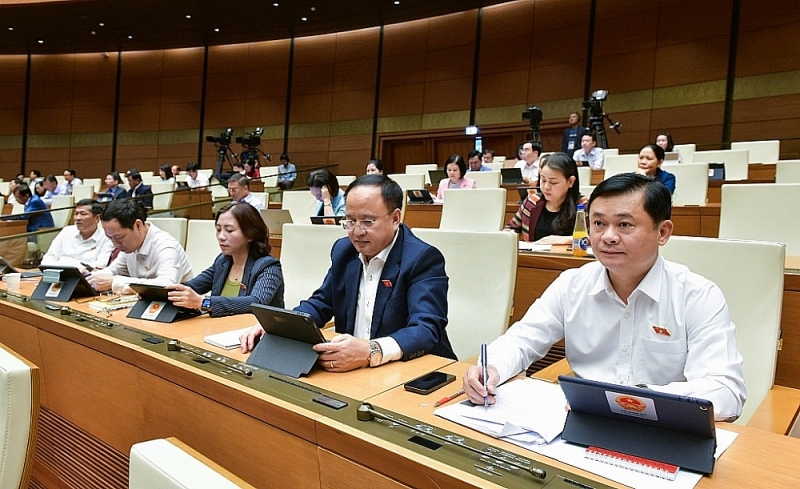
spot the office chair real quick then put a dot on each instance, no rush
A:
(19, 417)
(474, 209)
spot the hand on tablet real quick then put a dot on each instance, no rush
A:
(251, 337)
(343, 353)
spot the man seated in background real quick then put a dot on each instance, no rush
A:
(475, 162)
(239, 190)
(36, 211)
(175, 169)
(147, 254)
(12, 185)
(139, 189)
(529, 162)
(287, 173)
(70, 180)
(631, 317)
(51, 189)
(590, 154)
(83, 243)
(386, 289)
(488, 155)
(195, 179)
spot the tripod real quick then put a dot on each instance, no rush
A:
(597, 124)
(224, 154)
(535, 135)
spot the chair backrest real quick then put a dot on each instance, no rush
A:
(218, 191)
(686, 151)
(408, 181)
(19, 418)
(17, 208)
(763, 211)
(162, 195)
(691, 183)
(586, 190)
(585, 175)
(760, 151)
(485, 179)
(423, 169)
(201, 249)
(269, 176)
(64, 204)
(614, 165)
(5, 188)
(736, 161)
(305, 259)
(84, 191)
(94, 182)
(300, 203)
(209, 172)
(150, 179)
(754, 303)
(345, 180)
(611, 151)
(171, 464)
(176, 226)
(787, 171)
(496, 164)
(475, 316)
(480, 209)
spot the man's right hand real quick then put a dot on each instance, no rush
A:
(473, 384)
(251, 337)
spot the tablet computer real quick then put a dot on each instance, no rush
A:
(61, 284)
(419, 196)
(329, 220)
(6, 267)
(154, 305)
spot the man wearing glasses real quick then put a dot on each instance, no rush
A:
(386, 289)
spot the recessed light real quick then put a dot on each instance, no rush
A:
(188, 16)
(276, 4)
(41, 41)
(397, 2)
(11, 28)
(102, 24)
(130, 37)
(216, 29)
(313, 9)
(304, 19)
(94, 33)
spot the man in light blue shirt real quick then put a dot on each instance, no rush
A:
(287, 173)
(476, 162)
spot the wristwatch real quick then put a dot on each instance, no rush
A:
(375, 354)
(206, 305)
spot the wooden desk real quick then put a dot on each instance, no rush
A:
(191, 197)
(14, 250)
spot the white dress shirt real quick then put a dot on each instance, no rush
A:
(531, 172)
(200, 181)
(367, 291)
(70, 249)
(674, 334)
(159, 261)
(596, 158)
(254, 201)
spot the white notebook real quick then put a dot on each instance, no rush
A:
(227, 340)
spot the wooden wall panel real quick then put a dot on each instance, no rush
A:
(769, 37)
(699, 124)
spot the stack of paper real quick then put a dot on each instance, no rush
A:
(528, 411)
(227, 340)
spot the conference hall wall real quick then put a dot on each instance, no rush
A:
(330, 99)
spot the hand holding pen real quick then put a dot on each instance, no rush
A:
(485, 375)
(474, 384)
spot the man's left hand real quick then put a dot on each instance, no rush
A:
(344, 353)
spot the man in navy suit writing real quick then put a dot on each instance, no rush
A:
(386, 289)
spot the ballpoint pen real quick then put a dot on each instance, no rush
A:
(485, 369)
(448, 398)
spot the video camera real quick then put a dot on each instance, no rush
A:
(253, 139)
(224, 138)
(533, 115)
(595, 105)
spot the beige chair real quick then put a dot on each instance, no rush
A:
(474, 209)
(408, 181)
(176, 226)
(17, 208)
(269, 176)
(81, 192)
(482, 268)
(201, 244)
(5, 188)
(763, 211)
(19, 417)
(586, 190)
(611, 151)
(149, 179)
(300, 203)
(687, 152)
(162, 196)
(171, 464)
(94, 182)
(584, 175)
(495, 165)
(736, 161)
(760, 151)
(485, 179)
(691, 183)
(345, 180)
(787, 171)
(750, 274)
(61, 209)
(422, 169)
(306, 258)
(614, 165)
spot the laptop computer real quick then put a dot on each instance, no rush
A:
(153, 305)
(275, 219)
(668, 428)
(329, 220)
(286, 346)
(437, 176)
(511, 176)
(61, 284)
(716, 171)
(6, 267)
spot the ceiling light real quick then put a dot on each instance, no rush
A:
(11, 28)
(102, 24)
(397, 2)
(188, 16)
(41, 41)
(216, 29)
(304, 19)
(275, 4)
(130, 37)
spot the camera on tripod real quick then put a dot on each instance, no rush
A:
(595, 106)
(533, 115)
(253, 139)
(597, 117)
(224, 138)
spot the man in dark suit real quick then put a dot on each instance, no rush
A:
(386, 289)
(39, 216)
(571, 139)
(139, 189)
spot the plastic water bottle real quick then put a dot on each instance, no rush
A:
(580, 236)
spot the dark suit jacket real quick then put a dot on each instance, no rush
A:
(411, 304)
(115, 193)
(262, 283)
(37, 220)
(142, 190)
(565, 139)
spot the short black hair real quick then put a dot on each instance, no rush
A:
(657, 199)
(115, 176)
(51, 178)
(71, 171)
(135, 175)
(125, 211)
(240, 180)
(285, 157)
(473, 154)
(23, 189)
(378, 164)
(488, 151)
(323, 178)
(656, 149)
(535, 146)
(391, 193)
(37, 173)
(192, 166)
(97, 207)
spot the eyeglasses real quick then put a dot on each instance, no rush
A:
(365, 224)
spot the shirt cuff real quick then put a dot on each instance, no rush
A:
(391, 350)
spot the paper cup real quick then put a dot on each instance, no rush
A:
(12, 280)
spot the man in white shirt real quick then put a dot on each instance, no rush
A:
(590, 154)
(70, 180)
(51, 189)
(195, 179)
(631, 317)
(239, 190)
(529, 164)
(147, 254)
(84, 243)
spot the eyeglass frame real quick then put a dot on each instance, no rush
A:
(350, 224)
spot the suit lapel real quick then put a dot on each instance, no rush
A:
(391, 270)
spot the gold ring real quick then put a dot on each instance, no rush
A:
(331, 364)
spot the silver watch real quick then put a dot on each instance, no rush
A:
(375, 354)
